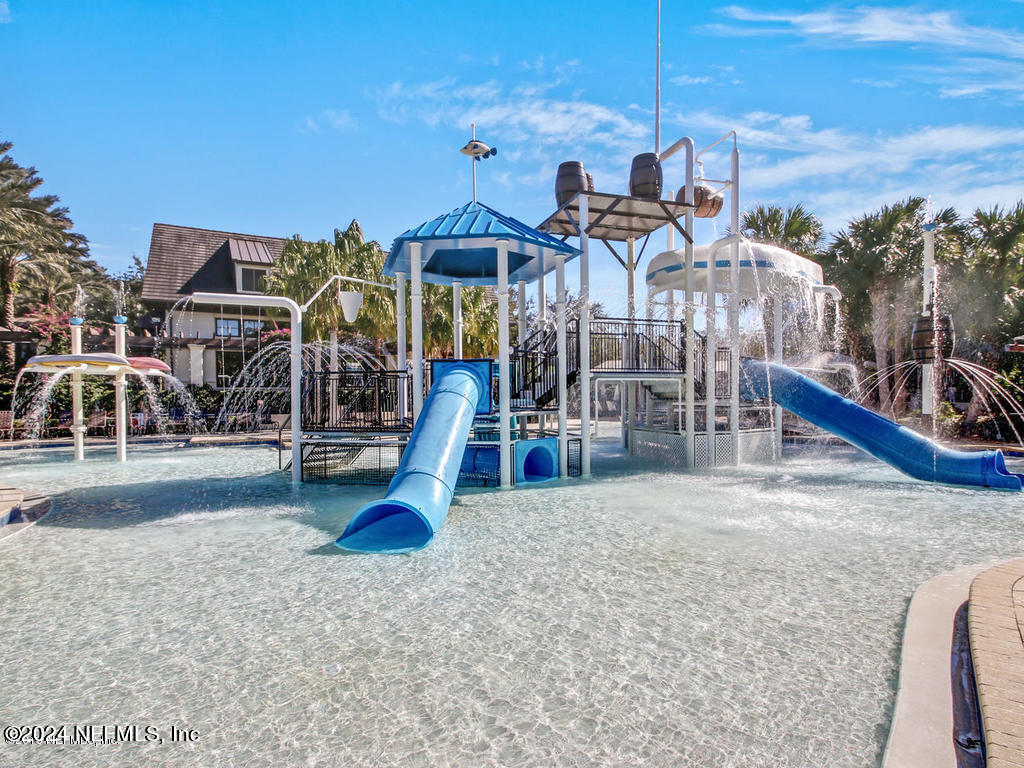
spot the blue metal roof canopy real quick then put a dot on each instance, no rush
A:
(463, 246)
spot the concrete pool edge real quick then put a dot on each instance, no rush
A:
(30, 508)
(921, 732)
(995, 620)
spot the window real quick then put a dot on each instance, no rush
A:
(229, 363)
(252, 280)
(227, 327)
(253, 328)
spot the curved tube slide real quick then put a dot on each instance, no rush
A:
(904, 449)
(421, 490)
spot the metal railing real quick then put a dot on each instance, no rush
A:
(355, 401)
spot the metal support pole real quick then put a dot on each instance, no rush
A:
(777, 309)
(78, 427)
(504, 405)
(295, 360)
(415, 256)
(521, 315)
(401, 343)
(542, 301)
(584, 336)
(120, 394)
(710, 370)
(734, 313)
(542, 318)
(631, 352)
(689, 314)
(928, 370)
(457, 319)
(561, 351)
(648, 398)
(333, 410)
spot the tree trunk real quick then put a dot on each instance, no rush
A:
(880, 312)
(7, 275)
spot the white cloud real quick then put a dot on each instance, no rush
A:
(689, 80)
(5, 12)
(842, 174)
(974, 61)
(877, 83)
(339, 120)
(867, 24)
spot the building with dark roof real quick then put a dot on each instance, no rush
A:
(208, 346)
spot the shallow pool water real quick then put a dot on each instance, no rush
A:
(746, 617)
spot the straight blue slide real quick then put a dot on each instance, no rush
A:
(421, 491)
(904, 449)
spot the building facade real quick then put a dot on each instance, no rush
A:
(207, 346)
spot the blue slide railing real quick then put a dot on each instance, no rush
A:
(904, 449)
(421, 491)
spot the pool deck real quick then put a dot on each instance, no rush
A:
(266, 437)
(23, 509)
(995, 618)
(922, 722)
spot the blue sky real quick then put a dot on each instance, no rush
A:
(282, 118)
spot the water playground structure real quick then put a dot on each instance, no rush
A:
(692, 398)
(118, 366)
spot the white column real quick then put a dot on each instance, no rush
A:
(631, 360)
(928, 388)
(295, 372)
(504, 405)
(332, 378)
(670, 245)
(777, 308)
(195, 364)
(734, 314)
(709, 349)
(689, 314)
(584, 337)
(561, 350)
(542, 318)
(415, 254)
(648, 398)
(78, 427)
(120, 395)
(521, 306)
(400, 341)
(542, 301)
(457, 319)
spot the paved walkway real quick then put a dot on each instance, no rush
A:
(996, 622)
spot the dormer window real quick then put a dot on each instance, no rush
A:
(252, 280)
(252, 261)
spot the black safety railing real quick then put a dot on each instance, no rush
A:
(534, 382)
(356, 401)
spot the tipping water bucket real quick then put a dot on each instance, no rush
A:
(645, 177)
(570, 180)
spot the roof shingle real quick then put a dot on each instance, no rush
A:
(183, 260)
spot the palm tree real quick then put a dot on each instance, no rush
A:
(878, 257)
(305, 266)
(33, 230)
(796, 229)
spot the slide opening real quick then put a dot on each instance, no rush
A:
(386, 526)
(539, 465)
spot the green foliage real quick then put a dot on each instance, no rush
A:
(948, 420)
(794, 228)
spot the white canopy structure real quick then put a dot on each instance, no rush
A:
(767, 267)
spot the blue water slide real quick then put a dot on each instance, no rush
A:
(421, 491)
(904, 449)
